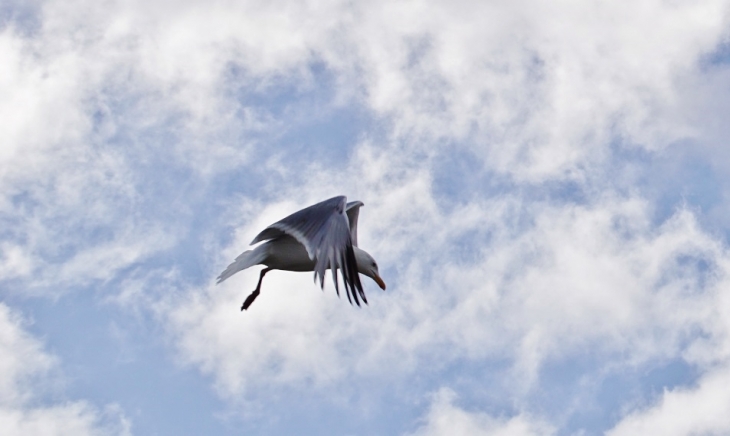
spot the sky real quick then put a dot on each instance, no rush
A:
(546, 192)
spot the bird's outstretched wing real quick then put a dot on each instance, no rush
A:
(324, 231)
(353, 211)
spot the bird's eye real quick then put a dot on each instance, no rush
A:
(375, 265)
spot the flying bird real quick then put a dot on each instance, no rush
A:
(320, 237)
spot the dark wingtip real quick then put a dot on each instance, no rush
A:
(351, 276)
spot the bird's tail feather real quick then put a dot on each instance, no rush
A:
(244, 260)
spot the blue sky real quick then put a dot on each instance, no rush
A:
(545, 189)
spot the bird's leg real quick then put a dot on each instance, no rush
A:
(255, 293)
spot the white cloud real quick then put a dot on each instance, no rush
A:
(538, 89)
(23, 359)
(59, 185)
(536, 92)
(684, 411)
(24, 376)
(538, 282)
(120, 115)
(445, 418)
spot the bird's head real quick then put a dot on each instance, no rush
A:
(366, 265)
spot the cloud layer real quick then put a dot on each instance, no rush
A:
(544, 187)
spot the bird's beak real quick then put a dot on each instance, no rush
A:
(379, 281)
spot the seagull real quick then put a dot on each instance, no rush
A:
(320, 237)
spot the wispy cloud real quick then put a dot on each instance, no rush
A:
(25, 374)
(534, 177)
(444, 418)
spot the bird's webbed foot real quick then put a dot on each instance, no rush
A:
(256, 292)
(249, 299)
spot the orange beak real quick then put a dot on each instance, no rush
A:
(379, 281)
